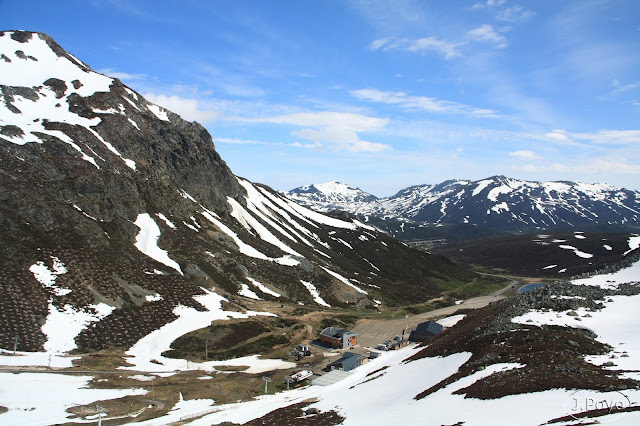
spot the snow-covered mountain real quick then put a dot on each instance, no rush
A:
(329, 196)
(501, 203)
(116, 216)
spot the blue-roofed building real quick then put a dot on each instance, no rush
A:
(348, 362)
(425, 331)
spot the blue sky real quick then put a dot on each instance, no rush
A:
(378, 94)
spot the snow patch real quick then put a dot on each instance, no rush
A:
(577, 252)
(246, 292)
(314, 293)
(63, 325)
(47, 277)
(147, 241)
(263, 288)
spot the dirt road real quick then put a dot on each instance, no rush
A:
(373, 332)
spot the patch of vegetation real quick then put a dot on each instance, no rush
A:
(263, 345)
(340, 321)
(235, 339)
(481, 285)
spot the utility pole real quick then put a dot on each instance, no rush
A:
(266, 381)
(100, 411)
(206, 349)
(15, 345)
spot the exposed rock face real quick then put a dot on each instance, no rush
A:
(106, 198)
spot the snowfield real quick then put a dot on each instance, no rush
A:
(43, 398)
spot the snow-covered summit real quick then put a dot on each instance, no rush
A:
(43, 88)
(330, 196)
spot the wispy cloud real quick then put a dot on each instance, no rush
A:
(338, 131)
(619, 88)
(234, 141)
(601, 137)
(525, 155)
(423, 103)
(448, 49)
(514, 14)
(110, 72)
(486, 34)
(421, 46)
(488, 3)
(189, 109)
(604, 167)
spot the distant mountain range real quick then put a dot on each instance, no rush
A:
(498, 203)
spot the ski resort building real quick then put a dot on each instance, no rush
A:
(425, 331)
(348, 362)
(338, 338)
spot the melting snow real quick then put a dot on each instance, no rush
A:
(577, 252)
(244, 248)
(63, 325)
(246, 292)
(634, 243)
(165, 220)
(47, 278)
(263, 288)
(147, 241)
(451, 321)
(344, 280)
(43, 398)
(159, 112)
(153, 297)
(314, 293)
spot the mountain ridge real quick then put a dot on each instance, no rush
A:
(499, 202)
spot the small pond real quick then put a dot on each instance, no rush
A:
(530, 287)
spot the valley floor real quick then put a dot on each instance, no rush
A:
(384, 390)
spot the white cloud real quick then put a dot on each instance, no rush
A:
(110, 72)
(336, 130)
(624, 137)
(559, 135)
(602, 137)
(234, 141)
(422, 46)
(514, 14)
(488, 3)
(602, 167)
(486, 33)
(419, 102)
(621, 88)
(314, 146)
(189, 109)
(525, 155)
